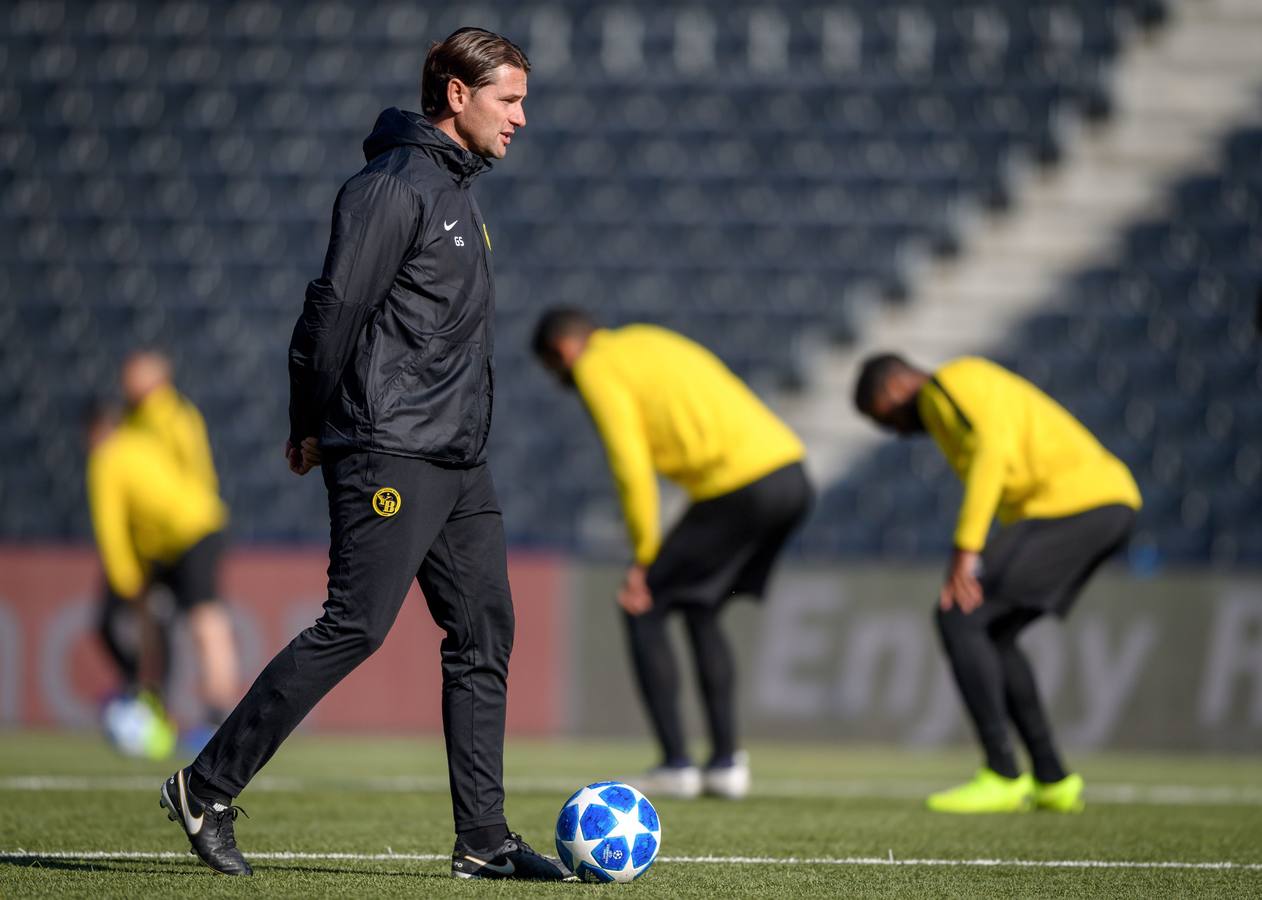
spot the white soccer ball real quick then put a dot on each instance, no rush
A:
(608, 831)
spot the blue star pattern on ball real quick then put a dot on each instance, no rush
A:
(608, 831)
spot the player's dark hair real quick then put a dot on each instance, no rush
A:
(557, 323)
(873, 374)
(470, 54)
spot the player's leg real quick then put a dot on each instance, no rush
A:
(210, 628)
(1054, 786)
(716, 676)
(1056, 560)
(195, 583)
(977, 667)
(694, 567)
(375, 551)
(657, 678)
(118, 629)
(1022, 701)
(758, 521)
(465, 581)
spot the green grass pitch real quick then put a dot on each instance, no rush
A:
(369, 817)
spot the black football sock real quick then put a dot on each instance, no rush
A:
(206, 792)
(488, 837)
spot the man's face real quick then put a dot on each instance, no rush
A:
(557, 366)
(895, 406)
(490, 115)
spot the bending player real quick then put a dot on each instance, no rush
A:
(154, 524)
(663, 404)
(1066, 505)
(158, 410)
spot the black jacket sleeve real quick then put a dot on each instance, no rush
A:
(375, 222)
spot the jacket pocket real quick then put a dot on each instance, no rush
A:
(385, 374)
(431, 405)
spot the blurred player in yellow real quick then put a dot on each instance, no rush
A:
(664, 404)
(1066, 505)
(158, 519)
(154, 406)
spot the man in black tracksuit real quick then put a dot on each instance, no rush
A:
(391, 382)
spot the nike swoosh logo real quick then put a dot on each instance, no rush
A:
(192, 825)
(447, 227)
(506, 869)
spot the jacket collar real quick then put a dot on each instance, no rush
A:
(400, 128)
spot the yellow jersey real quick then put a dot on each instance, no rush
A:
(665, 404)
(1019, 453)
(169, 416)
(145, 508)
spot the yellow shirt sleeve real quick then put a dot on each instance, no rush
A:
(107, 499)
(983, 485)
(975, 441)
(619, 423)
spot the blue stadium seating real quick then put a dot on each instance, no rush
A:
(754, 176)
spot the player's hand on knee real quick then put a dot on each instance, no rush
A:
(634, 595)
(962, 587)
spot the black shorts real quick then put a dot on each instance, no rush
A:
(1042, 564)
(193, 578)
(729, 545)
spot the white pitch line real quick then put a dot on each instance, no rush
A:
(284, 856)
(1104, 793)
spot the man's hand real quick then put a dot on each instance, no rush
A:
(634, 595)
(304, 458)
(961, 587)
(310, 452)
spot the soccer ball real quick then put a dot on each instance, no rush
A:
(608, 831)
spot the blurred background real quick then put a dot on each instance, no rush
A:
(1072, 187)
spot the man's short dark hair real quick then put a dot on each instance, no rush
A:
(557, 323)
(873, 374)
(470, 54)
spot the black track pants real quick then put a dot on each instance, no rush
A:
(394, 519)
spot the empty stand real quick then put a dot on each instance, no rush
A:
(753, 175)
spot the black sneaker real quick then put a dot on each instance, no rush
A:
(511, 859)
(208, 826)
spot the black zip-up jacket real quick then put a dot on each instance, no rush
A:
(393, 350)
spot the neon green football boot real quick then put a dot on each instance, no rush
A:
(160, 733)
(988, 792)
(1064, 796)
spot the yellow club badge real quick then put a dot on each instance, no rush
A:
(386, 502)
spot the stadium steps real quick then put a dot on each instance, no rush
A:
(1175, 92)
